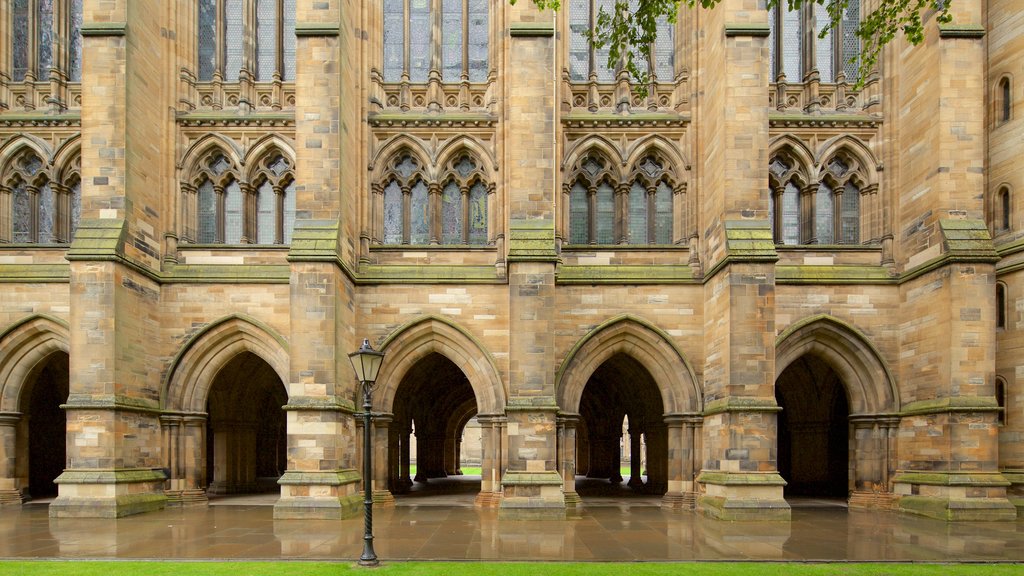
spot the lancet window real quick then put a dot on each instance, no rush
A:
(797, 48)
(220, 208)
(636, 210)
(46, 36)
(453, 210)
(449, 36)
(254, 39)
(35, 209)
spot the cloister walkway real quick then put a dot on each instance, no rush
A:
(448, 527)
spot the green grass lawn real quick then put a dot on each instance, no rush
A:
(91, 568)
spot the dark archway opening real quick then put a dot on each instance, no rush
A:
(246, 441)
(813, 431)
(621, 416)
(426, 453)
(46, 425)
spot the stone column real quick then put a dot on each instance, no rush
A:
(405, 457)
(490, 460)
(10, 486)
(531, 484)
(657, 469)
(381, 462)
(680, 437)
(567, 457)
(635, 481)
(193, 456)
(171, 425)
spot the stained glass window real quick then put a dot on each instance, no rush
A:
(792, 32)
(233, 217)
(478, 214)
(824, 215)
(21, 214)
(586, 59)
(850, 215)
(419, 40)
(289, 212)
(637, 214)
(605, 218)
(393, 213)
(451, 214)
(451, 40)
(36, 35)
(419, 215)
(790, 215)
(234, 40)
(409, 42)
(207, 213)
(266, 214)
(207, 39)
(76, 208)
(226, 44)
(266, 39)
(837, 51)
(851, 44)
(394, 39)
(823, 56)
(478, 35)
(663, 213)
(46, 214)
(579, 46)
(579, 209)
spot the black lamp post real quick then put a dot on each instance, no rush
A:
(366, 361)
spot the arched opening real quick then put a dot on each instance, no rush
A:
(621, 413)
(246, 447)
(813, 430)
(44, 426)
(434, 403)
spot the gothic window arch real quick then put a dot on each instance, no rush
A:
(415, 210)
(786, 183)
(34, 208)
(587, 61)
(271, 213)
(1000, 392)
(1000, 305)
(797, 49)
(45, 36)
(464, 200)
(212, 201)
(251, 39)
(648, 213)
(447, 36)
(591, 192)
(837, 202)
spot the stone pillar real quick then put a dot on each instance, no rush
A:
(114, 461)
(656, 436)
(381, 462)
(10, 486)
(679, 440)
(635, 481)
(567, 457)
(531, 484)
(193, 457)
(490, 460)
(394, 458)
(404, 481)
(171, 425)
(870, 461)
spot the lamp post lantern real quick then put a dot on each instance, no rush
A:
(366, 362)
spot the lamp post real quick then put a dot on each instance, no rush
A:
(366, 362)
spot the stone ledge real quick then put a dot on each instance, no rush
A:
(743, 510)
(125, 476)
(973, 479)
(328, 478)
(741, 478)
(740, 404)
(119, 507)
(951, 404)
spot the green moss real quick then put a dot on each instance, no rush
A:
(951, 404)
(740, 404)
(976, 479)
(741, 478)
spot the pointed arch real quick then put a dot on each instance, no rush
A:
(260, 149)
(380, 164)
(643, 342)
(796, 149)
(678, 166)
(13, 147)
(202, 146)
(869, 385)
(65, 155)
(856, 149)
(452, 148)
(598, 142)
(409, 344)
(23, 346)
(193, 370)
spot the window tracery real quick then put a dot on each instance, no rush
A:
(219, 207)
(828, 211)
(606, 209)
(414, 209)
(797, 50)
(35, 208)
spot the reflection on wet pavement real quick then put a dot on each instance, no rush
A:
(610, 530)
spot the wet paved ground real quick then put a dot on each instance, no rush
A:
(447, 527)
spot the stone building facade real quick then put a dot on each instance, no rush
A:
(789, 283)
